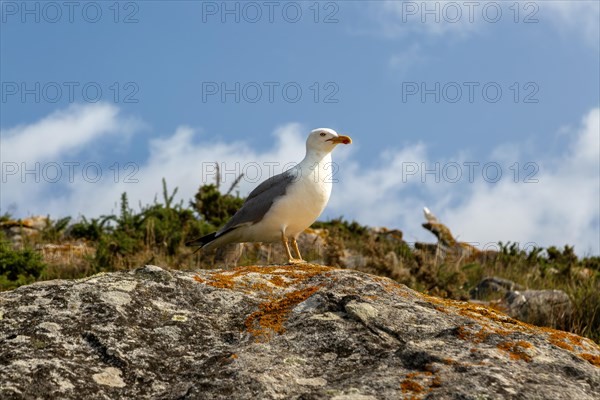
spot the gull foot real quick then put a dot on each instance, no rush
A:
(296, 261)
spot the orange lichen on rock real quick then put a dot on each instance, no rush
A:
(516, 350)
(564, 340)
(477, 311)
(220, 282)
(436, 382)
(279, 276)
(485, 316)
(409, 385)
(474, 335)
(592, 359)
(462, 333)
(416, 374)
(481, 335)
(577, 340)
(482, 314)
(270, 282)
(559, 342)
(492, 321)
(278, 281)
(271, 315)
(569, 341)
(427, 381)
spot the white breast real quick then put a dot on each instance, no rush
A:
(303, 202)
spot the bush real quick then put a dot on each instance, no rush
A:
(54, 230)
(89, 229)
(18, 267)
(214, 207)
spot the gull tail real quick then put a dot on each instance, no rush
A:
(216, 239)
(203, 241)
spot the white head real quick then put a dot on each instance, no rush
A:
(324, 140)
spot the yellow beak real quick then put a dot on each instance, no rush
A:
(341, 139)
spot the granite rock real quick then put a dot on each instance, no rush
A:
(275, 332)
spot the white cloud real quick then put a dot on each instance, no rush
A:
(582, 17)
(184, 159)
(377, 195)
(436, 18)
(459, 19)
(562, 208)
(63, 131)
(33, 156)
(187, 163)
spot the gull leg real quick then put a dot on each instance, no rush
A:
(287, 248)
(297, 250)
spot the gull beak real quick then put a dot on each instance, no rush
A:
(341, 139)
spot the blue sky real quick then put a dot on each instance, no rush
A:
(361, 67)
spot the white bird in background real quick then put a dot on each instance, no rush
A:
(429, 216)
(284, 205)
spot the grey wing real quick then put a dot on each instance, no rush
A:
(259, 201)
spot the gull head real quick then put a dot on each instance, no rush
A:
(325, 140)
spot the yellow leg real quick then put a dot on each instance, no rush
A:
(291, 260)
(287, 248)
(297, 250)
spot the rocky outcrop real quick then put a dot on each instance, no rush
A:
(16, 231)
(275, 332)
(447, 245)
(539, 307)
(493, 285)
(552, 308)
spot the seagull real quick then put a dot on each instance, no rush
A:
(429, 216)
(283, 206)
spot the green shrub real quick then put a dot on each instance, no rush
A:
(214, 207)
(18, 267)
(54, 230)
(89, 229)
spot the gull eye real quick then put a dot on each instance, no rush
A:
(322, 133)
